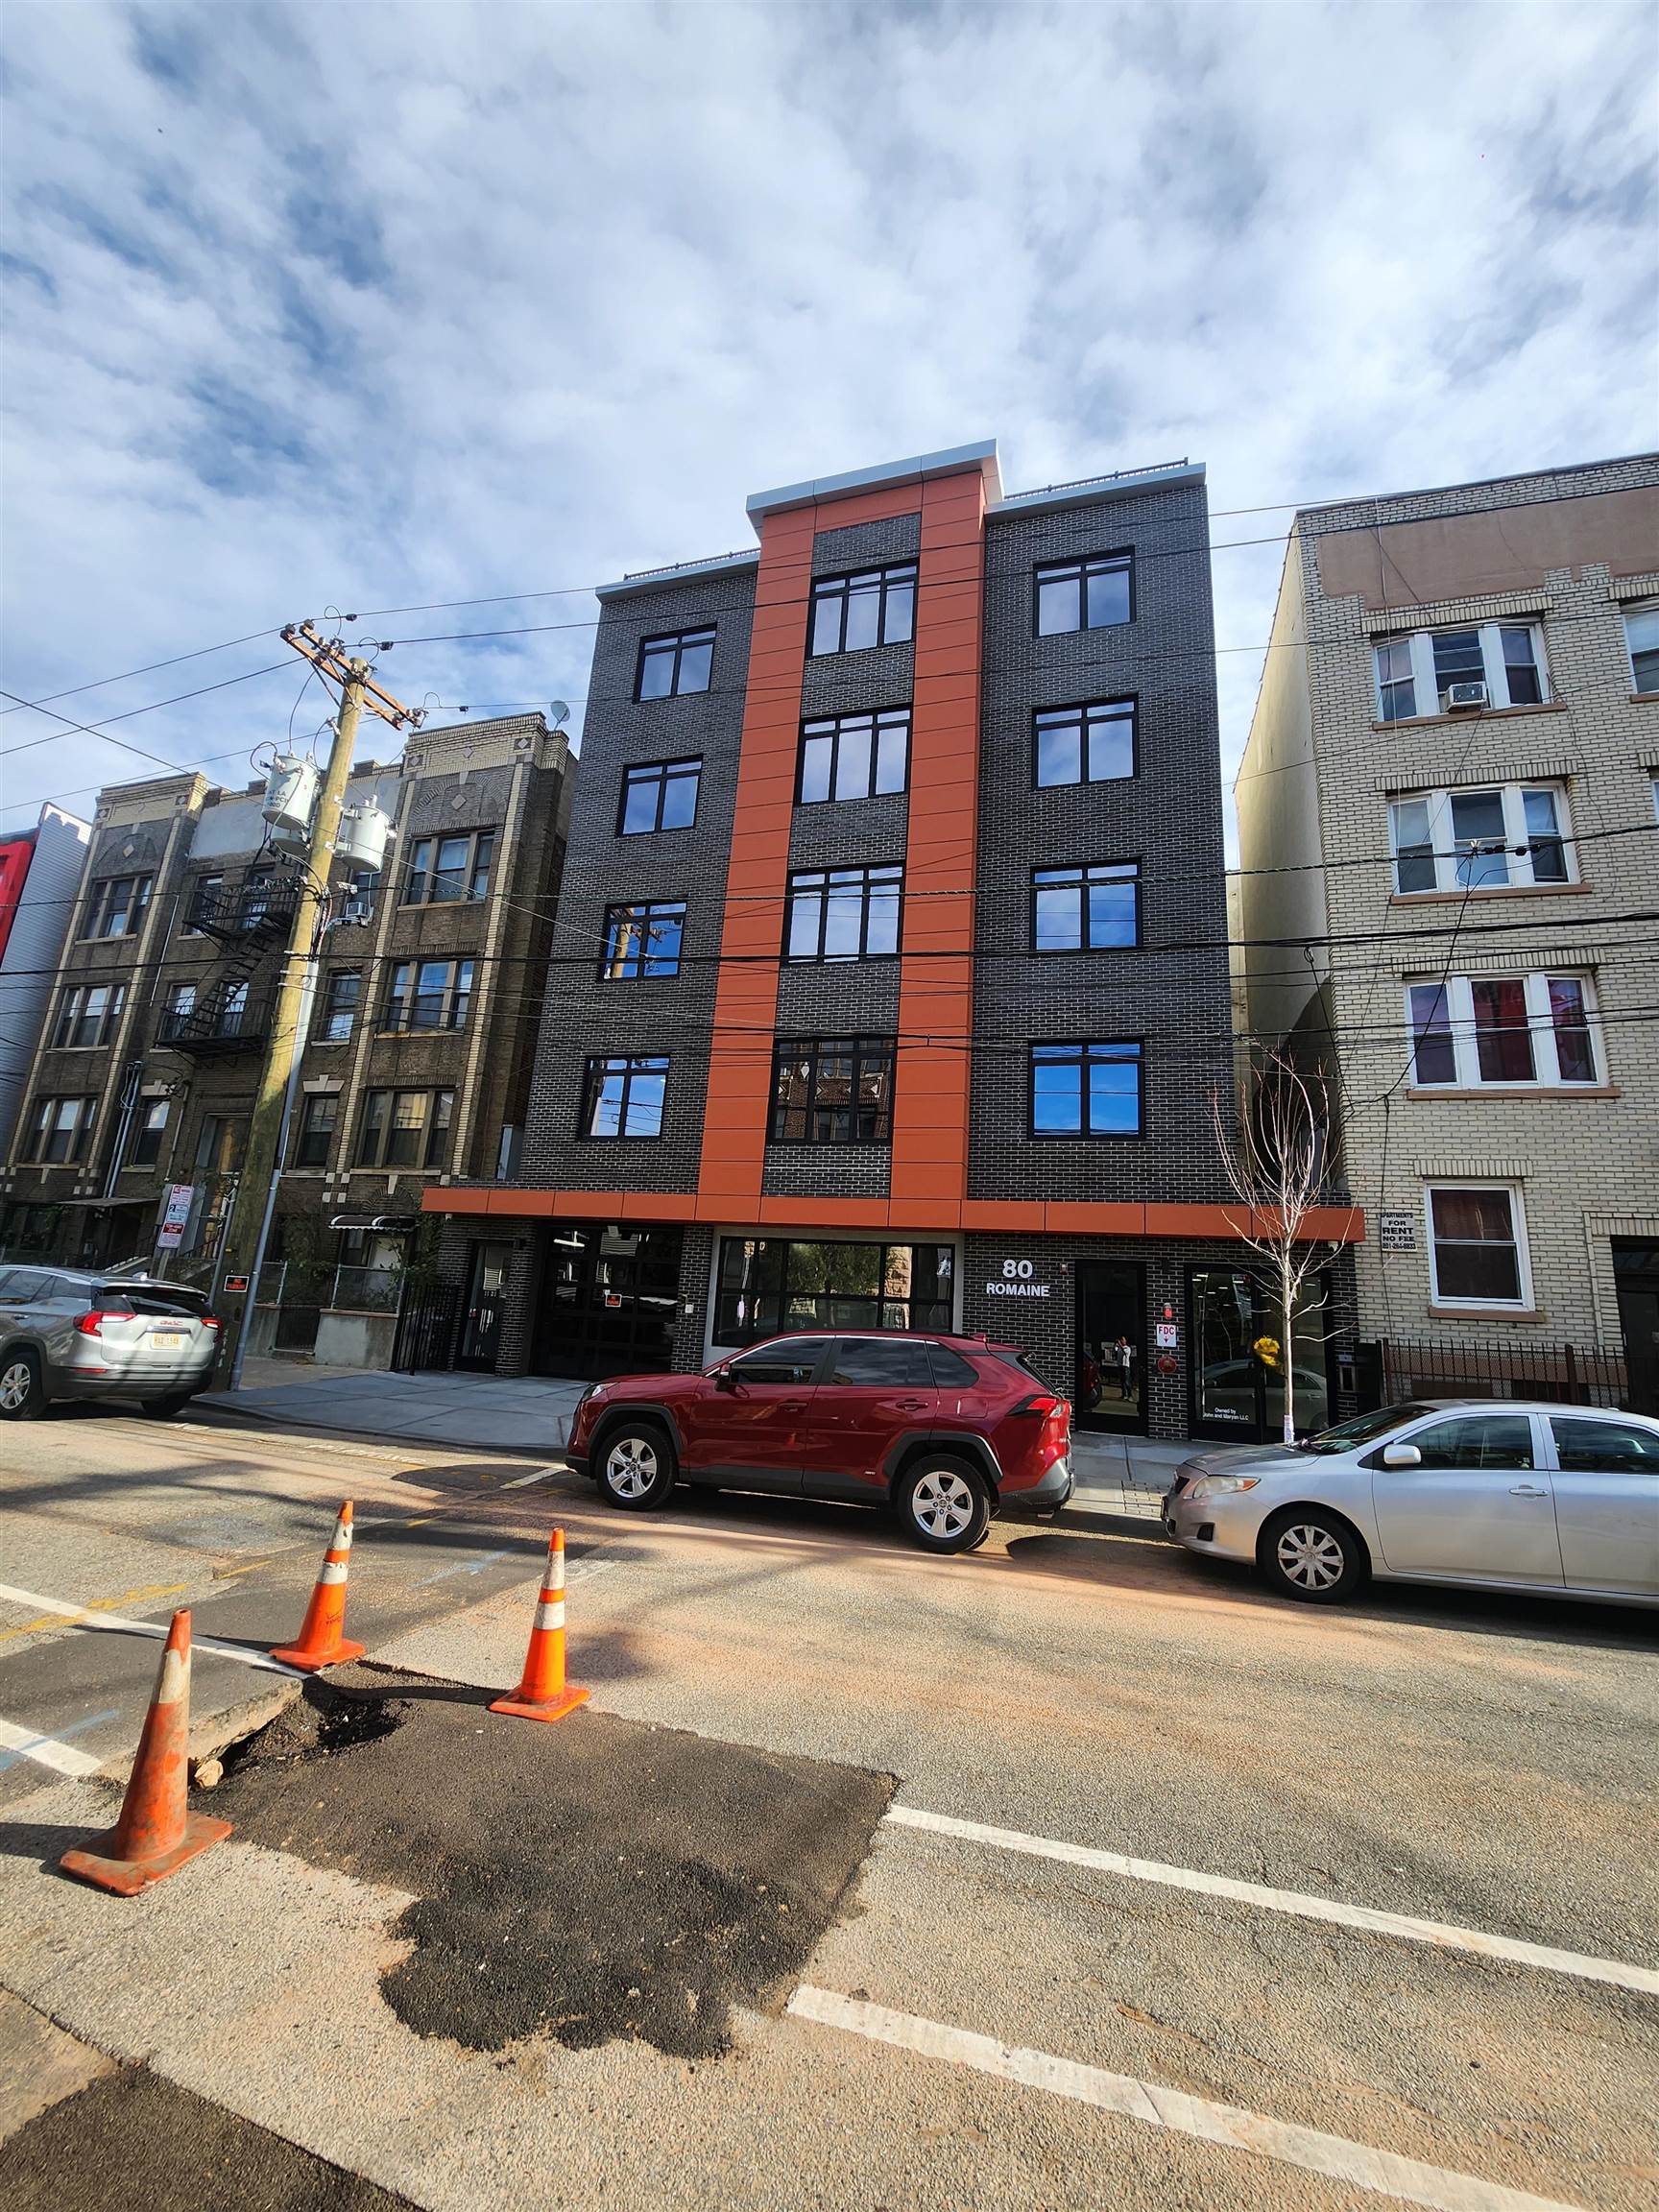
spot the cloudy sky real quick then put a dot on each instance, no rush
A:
(364, 305)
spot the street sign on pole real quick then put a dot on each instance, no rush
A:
(175, 1216)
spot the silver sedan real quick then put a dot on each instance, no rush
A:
(1488, 1495)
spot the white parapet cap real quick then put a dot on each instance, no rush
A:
(1090, 491)
(681, 572)
(951, 461)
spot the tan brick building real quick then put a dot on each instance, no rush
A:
(1449, 891)
(415, 1066)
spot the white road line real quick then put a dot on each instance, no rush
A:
(1644, 1980)
(1159, 2107)
(50, 1751)
(536, 1475)
(89, 1616)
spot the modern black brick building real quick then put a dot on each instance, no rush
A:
(890, 977)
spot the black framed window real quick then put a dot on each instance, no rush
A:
(319, 1118)
(405, 1128)
(428, 994)
(682, 661)
(1085, 1090)
(659, 795)
(854, 756)
(1089, 744)
(622, 1094)
(86, 1015)
(844, 914)
(1086, 909)
(255, 900)
(344, 988)
(148, 1132)
(59, 1130)
(873, 607)
(116, 907)
(1089, 594)
(446, 870)
(642, 940)
(204, 897)
(832, 1090)
(767, 1284)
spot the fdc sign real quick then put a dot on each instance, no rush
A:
(1017, 1282)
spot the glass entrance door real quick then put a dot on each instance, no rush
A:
(1110, 1391)
(481, 1329)
(1239, 1362)
(609, 1299)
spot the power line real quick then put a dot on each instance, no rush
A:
(103, 683)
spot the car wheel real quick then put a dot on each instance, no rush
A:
(165, 1409)
(22, 1387)
(1314, 1555)
(636, 1466)
(945, 1505)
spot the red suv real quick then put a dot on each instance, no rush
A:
(946, 1430)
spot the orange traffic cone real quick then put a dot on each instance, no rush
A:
(321, 1643)
(543, 1693)
(156, 1830)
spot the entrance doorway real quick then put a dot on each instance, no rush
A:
(481, 1326)
(1110, 1392)
(1636, 1276)
(610, 1301)
(1239, 1362)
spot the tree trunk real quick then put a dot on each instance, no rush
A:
(1287, 1303)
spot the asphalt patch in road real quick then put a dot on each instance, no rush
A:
(134, 2139)
(590, 1880)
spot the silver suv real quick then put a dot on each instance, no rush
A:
(68, 1334)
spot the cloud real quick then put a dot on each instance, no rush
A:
(366, 308)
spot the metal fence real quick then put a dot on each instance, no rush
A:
(331, 1291)
(426, 1322)
(1446, 1367)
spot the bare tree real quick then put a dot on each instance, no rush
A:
(1277, 1164)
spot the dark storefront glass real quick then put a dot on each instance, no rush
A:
(769, 1285)
(1238, 1389)
(609, 1301)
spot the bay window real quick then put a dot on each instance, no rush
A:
(1513, 836)
(1508, 1032)
(1414, 674)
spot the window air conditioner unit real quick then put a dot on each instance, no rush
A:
(1464, 696)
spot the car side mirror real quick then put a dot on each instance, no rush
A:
(1402, 1456)
(722, 1377)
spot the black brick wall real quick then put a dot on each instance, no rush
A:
(1167, 817)
(584, 1015)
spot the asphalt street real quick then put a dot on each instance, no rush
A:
(1121, 1882)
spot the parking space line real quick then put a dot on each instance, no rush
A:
(93, 1617)
(536, 1475)
(1156, 2106)
(51, 1750)
(1440, 1934)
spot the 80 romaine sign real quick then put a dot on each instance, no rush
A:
(1017, 1281)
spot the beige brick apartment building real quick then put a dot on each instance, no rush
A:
(1449, 794)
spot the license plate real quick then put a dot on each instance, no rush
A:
(171, 1342)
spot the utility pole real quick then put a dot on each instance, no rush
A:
(255, 1202)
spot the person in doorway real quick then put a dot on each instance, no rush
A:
(1124, 1354)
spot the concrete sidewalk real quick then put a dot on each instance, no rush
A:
(487, 1412)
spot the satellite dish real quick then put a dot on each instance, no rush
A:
(560, 709)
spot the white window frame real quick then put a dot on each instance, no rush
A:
(1465, 1036)
(1516, 833)
(1518, 1229)
(1648, 614)
(1495, 673)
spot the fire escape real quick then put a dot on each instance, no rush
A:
(247, 921)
